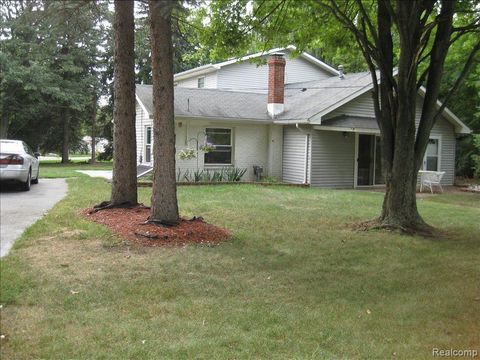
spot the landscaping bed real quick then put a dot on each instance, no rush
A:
(130, 223)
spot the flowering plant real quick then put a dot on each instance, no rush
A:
(207, 147)
(187, 154)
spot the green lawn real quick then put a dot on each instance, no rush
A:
(54, 169)
(294, 282)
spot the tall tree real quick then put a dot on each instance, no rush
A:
(124, 181)
(404, 44)
(164, 207)
(47, 51)
(425, 30)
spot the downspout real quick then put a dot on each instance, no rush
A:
(297, 125)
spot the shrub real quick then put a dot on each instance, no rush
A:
(107, 153)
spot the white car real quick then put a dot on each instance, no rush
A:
(18, 163)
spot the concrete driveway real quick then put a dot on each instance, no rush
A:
(20, 209)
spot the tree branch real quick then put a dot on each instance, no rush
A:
(464, 72)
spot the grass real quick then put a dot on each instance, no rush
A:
(54, 169)
(293, 283)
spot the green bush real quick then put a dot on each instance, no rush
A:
(107, 154)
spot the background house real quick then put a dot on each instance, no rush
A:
(297, 117)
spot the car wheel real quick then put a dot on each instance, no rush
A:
(35, 181)
(28, 182)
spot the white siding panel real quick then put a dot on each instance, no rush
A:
(333, 159)
(250, 145)
(246, 75)
(275, 150)
(251, 148)
(210, 81)
(141, 120)
(294, 164)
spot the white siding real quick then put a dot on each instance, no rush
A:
(333, 159)
(363, 106)
(250, 144)
(246, 75)
(141, 121)
(294, 157)
(275, 149)
(210, 81)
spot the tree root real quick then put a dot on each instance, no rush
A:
(163, 222)
(108, 205)
(415, 228)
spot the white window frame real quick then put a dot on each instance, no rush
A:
(231, 147)
(439, 154)
(146, 143)
(198, 82)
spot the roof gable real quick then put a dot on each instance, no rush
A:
(205, 69)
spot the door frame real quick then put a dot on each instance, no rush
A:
(355, 160)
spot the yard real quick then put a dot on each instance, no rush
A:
(294, 281)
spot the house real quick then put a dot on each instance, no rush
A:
(297, 117)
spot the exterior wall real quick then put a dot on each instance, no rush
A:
(246, 75)
(363, 106)
(333, 159)
(275, 149)
(250, 143)
(295, 159)
(210, 81)
(141, 121)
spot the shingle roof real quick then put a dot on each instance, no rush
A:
(306, 99)
(212, 103)
(302, 100)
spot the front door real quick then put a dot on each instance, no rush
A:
(369, 161)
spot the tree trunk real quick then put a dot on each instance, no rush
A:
(124, 181)
(66, 136)
(164, 207)
(94, 124)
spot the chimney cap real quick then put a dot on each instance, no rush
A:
(277, 55)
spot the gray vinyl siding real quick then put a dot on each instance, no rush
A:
(363, 106)
(294, 145)
(246, 75)
(445, 131)
(333, 157)
(360, 106)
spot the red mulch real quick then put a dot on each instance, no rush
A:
(130, 223)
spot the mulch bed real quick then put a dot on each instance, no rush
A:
(130, 223)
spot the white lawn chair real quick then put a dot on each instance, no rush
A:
(430, 179)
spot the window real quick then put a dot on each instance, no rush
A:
(201, 82)
(148, 144)
(222, 140)
(432, 157)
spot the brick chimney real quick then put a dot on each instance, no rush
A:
(276, 84)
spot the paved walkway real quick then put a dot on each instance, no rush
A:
(20, 209)
(106, 174)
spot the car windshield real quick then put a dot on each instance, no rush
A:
(10, 147)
